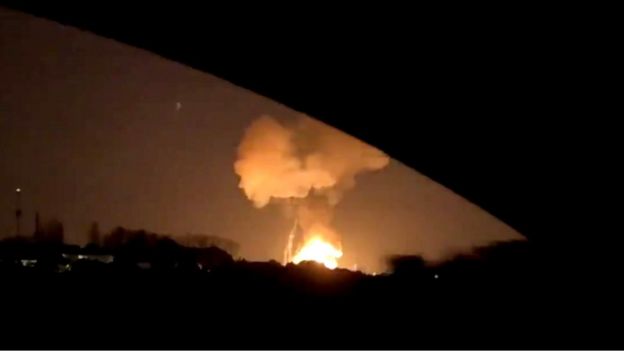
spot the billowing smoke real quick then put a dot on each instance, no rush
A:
(307, 163)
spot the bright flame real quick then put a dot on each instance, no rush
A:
(318, 250)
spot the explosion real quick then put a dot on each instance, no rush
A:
(319, 250)
(315, 248)
(306, 166)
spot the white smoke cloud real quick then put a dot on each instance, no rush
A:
(278, 162)
(268, 167)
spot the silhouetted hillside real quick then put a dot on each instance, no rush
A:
(156, 293)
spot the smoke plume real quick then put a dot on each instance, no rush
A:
(307, 162)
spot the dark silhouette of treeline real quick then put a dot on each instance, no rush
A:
(120, 251)
(141, 289)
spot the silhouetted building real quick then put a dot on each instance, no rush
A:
(38, 234)
(53, 232)
(205, 241)
(94, 234)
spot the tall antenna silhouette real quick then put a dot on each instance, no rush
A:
(18, 210)
(289, 245)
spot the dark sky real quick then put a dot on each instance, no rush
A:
(92, 129)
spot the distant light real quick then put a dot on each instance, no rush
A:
(435, 276)
(28, 263)
(18, 190)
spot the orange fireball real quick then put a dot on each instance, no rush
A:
(319, 250)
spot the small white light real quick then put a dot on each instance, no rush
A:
(18, 190)
(435, 276)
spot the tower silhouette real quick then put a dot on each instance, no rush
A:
(18, 211)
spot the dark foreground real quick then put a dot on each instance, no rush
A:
(509, 296)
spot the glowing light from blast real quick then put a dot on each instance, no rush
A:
(318, 250)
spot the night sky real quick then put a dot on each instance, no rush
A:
(94, 130)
